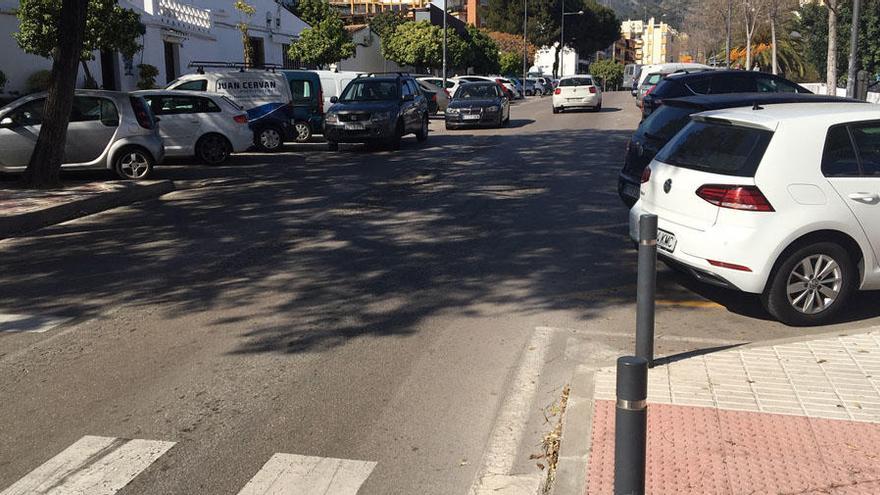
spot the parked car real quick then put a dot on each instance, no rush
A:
(334, 82)
(208, 126)
(437, 98)
(656, 130)
(648, 85)
(280, 105)
(776, 200)
(478, 104)
(577, 92)
(377, 109)
(630, 74)
(451, 84)
(507, 88)
(519, 90)
(547, 85)
(715, 82)
(669, 68)
(534, 88)
(107, 130)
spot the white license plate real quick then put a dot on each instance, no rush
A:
(470, 117)
(354, 126)
(666, 240)
(631, 191)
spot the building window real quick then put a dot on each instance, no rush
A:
(259, 52)
(172, 61)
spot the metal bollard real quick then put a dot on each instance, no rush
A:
(646, 288)
(630, 426)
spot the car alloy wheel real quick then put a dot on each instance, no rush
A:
(270, 139)
(303, 132)
(213, 149)
(133, 164)
(814, 284)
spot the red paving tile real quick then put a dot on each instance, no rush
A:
(703, 450)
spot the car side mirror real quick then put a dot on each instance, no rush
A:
(409, 97)
(334, 99)
(7, 123)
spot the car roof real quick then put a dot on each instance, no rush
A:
(732, 100)
(770, 116)
(478, 83)
(575, 75)
(177, 92)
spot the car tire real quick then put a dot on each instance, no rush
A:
(302, 132)
(213, 149)
(269, 139)
(795, 306)
(133, 163)
(555, 110)
(598, 108)
(332, 146)
(393, 143)
(422, 135)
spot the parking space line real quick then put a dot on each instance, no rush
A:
(291, 474)
(21, 323)
(92, 465)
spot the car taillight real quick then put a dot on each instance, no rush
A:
(240, 119)
(557, 91)
(748, 198)
(593, 89)
(142, 113)
(646, 174)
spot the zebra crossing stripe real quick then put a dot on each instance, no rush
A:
(93, 465)
(291, 474)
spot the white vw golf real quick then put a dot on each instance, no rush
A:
(782, 201)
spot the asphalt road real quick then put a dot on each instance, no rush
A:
(371, 306)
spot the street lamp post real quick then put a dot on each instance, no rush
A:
(444, 45)
(525, 43)
(562, 36)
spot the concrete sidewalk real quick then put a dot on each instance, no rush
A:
(799, 417)
(23, 210)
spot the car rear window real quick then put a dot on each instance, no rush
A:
(666, 121)
(576, 81)
(653, 78)
(670, 88)
(718, 148)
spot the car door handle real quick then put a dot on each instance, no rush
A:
(864, 197)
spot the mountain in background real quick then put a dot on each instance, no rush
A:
(671, 12)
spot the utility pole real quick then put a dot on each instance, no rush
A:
(444, 45)
(727, 45)
(525, 43)
(853, 52)
(561, 37)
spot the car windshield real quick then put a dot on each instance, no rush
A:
(576, 81)
(370, 91)
(476, 91)
(653, 78)
(717, 147)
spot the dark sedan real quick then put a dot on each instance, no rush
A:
(664, 123)
(478, 104)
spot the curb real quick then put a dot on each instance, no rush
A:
(26, 222)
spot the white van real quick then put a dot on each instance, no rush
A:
(333, 82)
(248, 88)
(669, 69)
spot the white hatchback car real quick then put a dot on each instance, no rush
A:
(782, 201)
(208, 126)
(577, 92)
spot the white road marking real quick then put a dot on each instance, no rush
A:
(91, 466)
(18, 323)
(291, 474)
(507, 433)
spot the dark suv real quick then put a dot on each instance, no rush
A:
(655, 131)
(377, 109)
(679, 85)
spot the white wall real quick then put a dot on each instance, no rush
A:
(368, 54)
(545, 57)
(819, 88)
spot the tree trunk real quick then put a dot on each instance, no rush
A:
(773, 43)
(90, 81)
(44, 168)
(748, 47)
(831, 71)
(852, 66)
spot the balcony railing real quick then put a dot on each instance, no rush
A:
(184, 17)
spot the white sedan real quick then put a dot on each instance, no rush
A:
(576, 92)
(781, 201)
(208, 126)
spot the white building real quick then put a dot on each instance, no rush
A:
(177, 33)
(368, 52)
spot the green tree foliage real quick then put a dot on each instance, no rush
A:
(38, 81)
(595, 30)
(147, 76)
(313, 11)
(386, 22)
(108, 27)
(513, 43)
(608, 73)
(482, 52)
(812, 24)
(420, 44)
(326, 42)
(511, 63)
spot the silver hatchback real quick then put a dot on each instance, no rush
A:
(107, 130)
